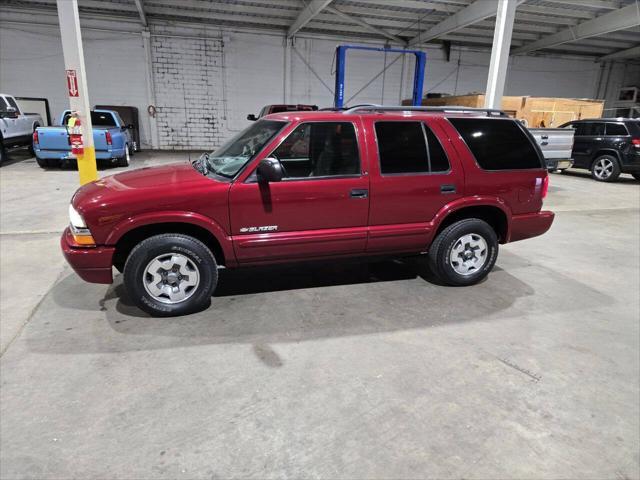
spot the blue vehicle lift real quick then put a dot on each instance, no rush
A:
(341, 63)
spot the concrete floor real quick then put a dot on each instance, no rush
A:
(334, 371)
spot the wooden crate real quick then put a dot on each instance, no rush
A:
(535, 111)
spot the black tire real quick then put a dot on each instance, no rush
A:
(605, 168)
(200, 257)
(43, 162)
(636, 176)
(3, 154)
(441, 248)
(125, 160)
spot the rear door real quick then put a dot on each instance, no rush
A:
(414, 173)
(320, 207)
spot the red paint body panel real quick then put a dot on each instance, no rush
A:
(530, 225)
(91, 264)
(315, 217)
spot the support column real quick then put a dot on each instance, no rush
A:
(286, 79)
(500, 53)
(151, 88)
(77, 84)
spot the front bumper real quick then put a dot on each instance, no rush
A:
(530, 225)
(92, 264)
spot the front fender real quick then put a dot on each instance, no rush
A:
(192, 218)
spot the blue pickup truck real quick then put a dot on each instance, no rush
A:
(111, 137)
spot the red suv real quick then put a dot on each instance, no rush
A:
(368, 181)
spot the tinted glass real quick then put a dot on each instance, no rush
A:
(497, 144)
(320, 149)
(401, 147)
(437, 158)
(616, 129)
(101, 119)
(593, 128)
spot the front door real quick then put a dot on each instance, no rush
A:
(320, 207)
(588, 139)
(416, 174)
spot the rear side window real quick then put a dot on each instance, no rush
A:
(497, 144)
(616, 129)
(409, 147)
(593, 129)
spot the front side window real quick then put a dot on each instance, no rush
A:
(497, 144)
(319, 149)
(229, 159)
(616, 129)
(12, 103)
(409, 147)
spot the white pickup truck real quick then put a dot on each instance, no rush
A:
(16, 127)
(556, 145)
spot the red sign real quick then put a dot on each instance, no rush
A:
(72, 83)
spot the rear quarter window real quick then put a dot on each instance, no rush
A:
(498, 144)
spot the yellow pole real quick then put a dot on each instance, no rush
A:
(87, 165)
(76, 79)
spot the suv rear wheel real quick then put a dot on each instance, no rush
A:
(605, 168)
(171, 274)
(464, 252)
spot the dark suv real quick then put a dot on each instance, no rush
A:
(607, 147)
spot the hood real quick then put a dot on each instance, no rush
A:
(136, 185)
(175, 188)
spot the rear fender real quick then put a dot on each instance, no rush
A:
(175, 217)
(466, 202)
(605, 151)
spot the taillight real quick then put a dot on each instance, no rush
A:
(35, 137)
(107, 136)
(635, 142)
(545, 186)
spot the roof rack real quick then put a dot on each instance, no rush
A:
(489, 112)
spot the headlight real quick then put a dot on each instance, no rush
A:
(75, 218)
(81, 234)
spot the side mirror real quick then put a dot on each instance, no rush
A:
(269, 170)
(251, 117)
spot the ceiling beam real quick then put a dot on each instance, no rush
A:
(143, 17)
(477, 11)
(633, 52)
(626, 17)
(604, 4)
(362, 23)
(313, 8)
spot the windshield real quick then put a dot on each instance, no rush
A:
(229, 159)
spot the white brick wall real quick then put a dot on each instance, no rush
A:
(188, 84)
(205, 87)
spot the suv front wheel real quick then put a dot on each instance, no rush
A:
(464, 252)
(171, 274)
